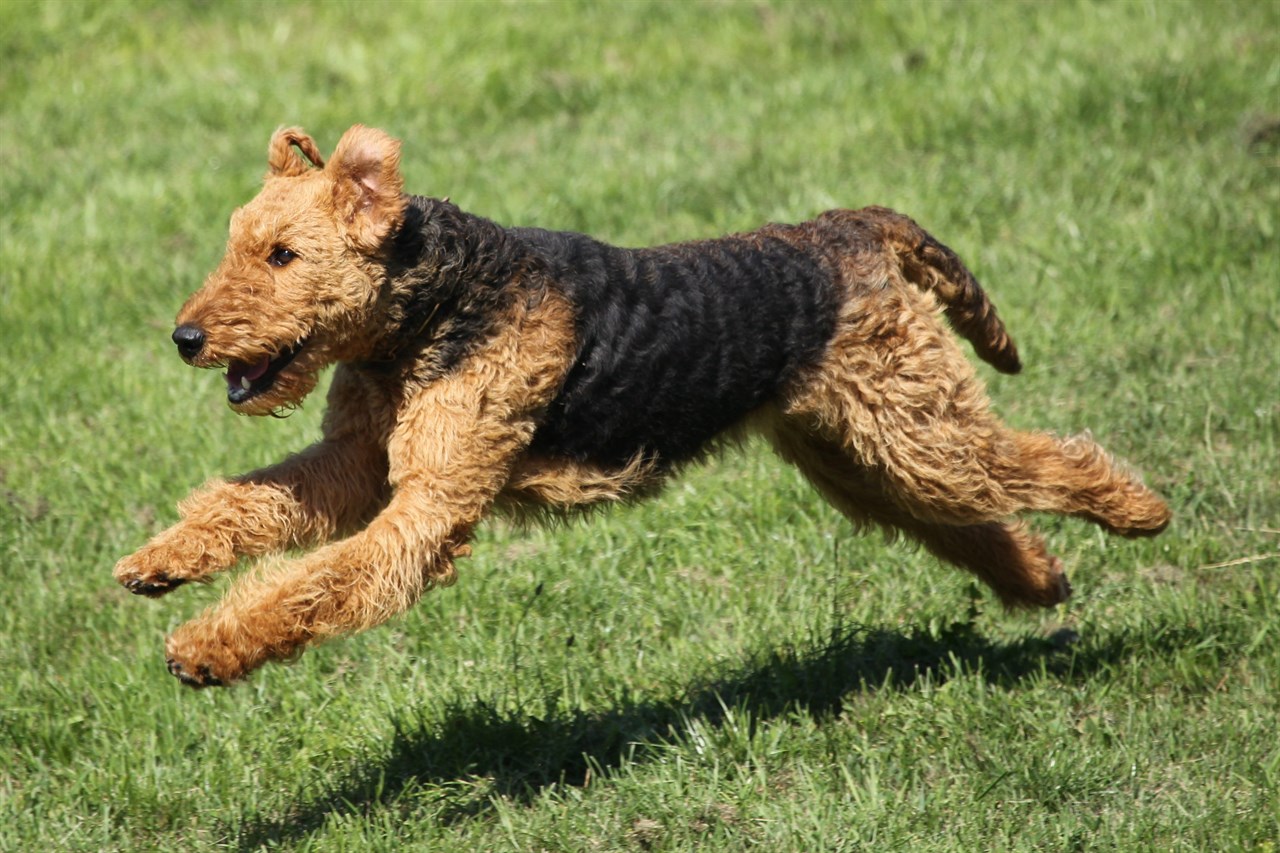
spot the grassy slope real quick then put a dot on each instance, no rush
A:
(728, 665)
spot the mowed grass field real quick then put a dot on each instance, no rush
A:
(730, 666)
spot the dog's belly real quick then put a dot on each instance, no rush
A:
(678, 343)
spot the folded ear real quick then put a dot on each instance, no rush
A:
(367, 185)
(284, 160)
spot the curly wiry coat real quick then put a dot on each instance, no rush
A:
(481, 366)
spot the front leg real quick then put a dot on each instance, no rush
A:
(307, 499)
(450, 454)
(303, 500)
(272, 613)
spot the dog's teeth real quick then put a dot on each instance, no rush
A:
(245, 383)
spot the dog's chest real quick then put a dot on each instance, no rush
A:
(678, 343)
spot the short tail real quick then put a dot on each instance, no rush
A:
(933, 267)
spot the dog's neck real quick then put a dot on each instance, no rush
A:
(449, 275)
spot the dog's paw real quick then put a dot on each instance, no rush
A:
(202, 676)
(201, 660)
(155, 587)
(148, 573)
(168, 562)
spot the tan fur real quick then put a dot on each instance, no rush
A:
(892, 425)
(479, 421)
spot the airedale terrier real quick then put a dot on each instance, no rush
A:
(483, 367)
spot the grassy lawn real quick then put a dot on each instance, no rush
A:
(729, 666)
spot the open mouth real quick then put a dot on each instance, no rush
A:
(247, 380)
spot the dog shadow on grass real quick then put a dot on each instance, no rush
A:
(479, 752)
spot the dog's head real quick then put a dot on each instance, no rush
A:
(297, 287)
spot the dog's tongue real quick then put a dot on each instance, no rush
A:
(238, 373)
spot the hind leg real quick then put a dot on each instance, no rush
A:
(1075, 476)
(896, 395)
(979, 471)
(1006, 557)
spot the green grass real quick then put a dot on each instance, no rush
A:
(729, 666)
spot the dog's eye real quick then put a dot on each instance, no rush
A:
(280, 257)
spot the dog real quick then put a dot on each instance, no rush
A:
(482, 368)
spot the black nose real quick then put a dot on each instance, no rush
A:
(190, 341)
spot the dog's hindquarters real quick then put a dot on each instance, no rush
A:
(894, 427)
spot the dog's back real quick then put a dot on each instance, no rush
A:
(678, 343)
